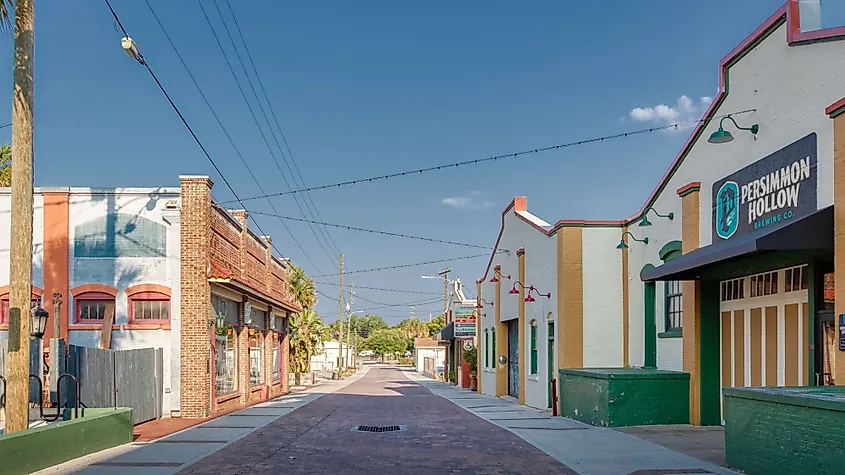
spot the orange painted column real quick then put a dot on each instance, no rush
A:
(690, 232)
(56, 258)
(570, 303)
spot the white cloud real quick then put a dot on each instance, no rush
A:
(466, 202)
(685, 110)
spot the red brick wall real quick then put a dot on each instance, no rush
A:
(195, 297)
(225, 241)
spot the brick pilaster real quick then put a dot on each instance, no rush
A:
(690, 232)
(243, 354)
(195, 296)
(285, 360)
(241, 216)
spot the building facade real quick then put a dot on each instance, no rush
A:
(727, 271)
(160, 268)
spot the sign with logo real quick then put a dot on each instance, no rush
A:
(464, 317)
(769, 192)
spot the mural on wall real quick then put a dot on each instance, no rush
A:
(120, 235)
(768, 193)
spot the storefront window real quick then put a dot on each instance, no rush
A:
(225, 346)
(256, 352)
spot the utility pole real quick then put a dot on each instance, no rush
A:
(445, 274)
(20, 269)
(349, 324)
(340, 334)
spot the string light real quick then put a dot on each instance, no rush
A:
(381, 289)
(497, 157)
(372, 231)
(407, 265)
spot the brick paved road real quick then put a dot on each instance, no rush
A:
(440, 437)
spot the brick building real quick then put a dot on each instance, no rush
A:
(160, 268)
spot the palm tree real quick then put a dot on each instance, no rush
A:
(302, 287)
(5, 164)
(308, 332)
(414, 328)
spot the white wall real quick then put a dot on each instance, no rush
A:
(6, 241)
(327, 356)
(789, 86)
(602, 297)
(439, 355)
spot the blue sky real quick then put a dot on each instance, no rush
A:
(368, 88)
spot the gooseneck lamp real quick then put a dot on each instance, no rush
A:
(646, 222)
(723, 136)
(622, 244)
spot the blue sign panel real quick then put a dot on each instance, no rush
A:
(768, 193)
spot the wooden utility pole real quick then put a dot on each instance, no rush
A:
(340, 334)
(20, 269)
(445, 274)
(349, 326)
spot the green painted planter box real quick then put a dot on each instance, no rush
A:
(788, 430)
(619, 397)
(35, 449)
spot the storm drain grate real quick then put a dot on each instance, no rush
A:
(378, 428)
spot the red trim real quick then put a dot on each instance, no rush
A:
(148, 297)
(4, 310)
(89, 296)
(789, 11)
(838, 106)
(147, 288)
(36, 291)
(696, 185)
(98, 288)
(520, 251)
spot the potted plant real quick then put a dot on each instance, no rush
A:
(452, 376)
(471, 358)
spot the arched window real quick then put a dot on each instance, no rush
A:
(93, 307)
(148, 303)
(534, 351)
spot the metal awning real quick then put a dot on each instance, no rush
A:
(446, 333)
(809, 233)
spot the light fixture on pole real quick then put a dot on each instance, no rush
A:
(481, 302)
(723, 136)
(646, 222)
(622, 244)
(496, 279)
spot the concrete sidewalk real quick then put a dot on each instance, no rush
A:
(582, 447)
(172, 453)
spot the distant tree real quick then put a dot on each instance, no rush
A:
(5, 165)
(436, 325)
(386, 342)
(414, 328)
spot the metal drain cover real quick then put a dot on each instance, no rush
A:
(378, 428)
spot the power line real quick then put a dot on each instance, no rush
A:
(279, 127)
(407, 265)
(144, 62)
(255, 119)
(383, 289)
(374, 231)
(503, 156)
(4, 126)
